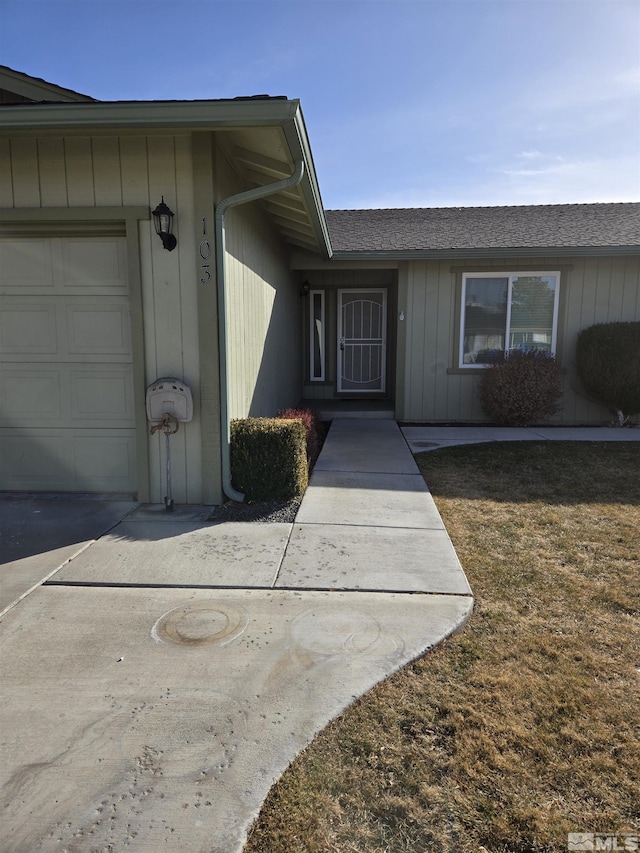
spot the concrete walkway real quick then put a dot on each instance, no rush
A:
(421, 438)
(164, 677)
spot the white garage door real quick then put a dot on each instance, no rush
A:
(66, 386)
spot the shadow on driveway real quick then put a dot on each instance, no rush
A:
(38, 535)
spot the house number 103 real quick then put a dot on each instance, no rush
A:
(204, 250)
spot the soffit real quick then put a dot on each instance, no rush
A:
(261, 156)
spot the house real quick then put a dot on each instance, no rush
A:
(266, 299)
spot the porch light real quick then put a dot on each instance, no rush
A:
(163, 222)
(304, 290)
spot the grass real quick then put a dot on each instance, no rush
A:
(524, 726)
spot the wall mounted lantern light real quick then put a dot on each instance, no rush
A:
(305, 288)
(163, 221)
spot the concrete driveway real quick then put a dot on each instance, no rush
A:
(38, 535)
(164, 677)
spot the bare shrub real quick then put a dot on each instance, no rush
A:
(523, 389)
(310, 424)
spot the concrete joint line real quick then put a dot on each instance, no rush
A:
(360, 524)
(341, 590)
(365, 473)
(283, 555)
(45, 580)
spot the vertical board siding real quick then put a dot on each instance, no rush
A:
(79, 161)
(25, 172)
(107, 178)
(111, 171)
(593, 290)
(53, 172)
(263, 322)
(631, 289)
(6, 182)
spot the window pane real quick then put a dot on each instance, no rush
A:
(317, 335)
(485, 320)
(532, 304)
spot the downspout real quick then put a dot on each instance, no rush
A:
(221, 209)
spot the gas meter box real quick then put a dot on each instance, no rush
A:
(169, 396)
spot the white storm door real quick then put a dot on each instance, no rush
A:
(362, 340)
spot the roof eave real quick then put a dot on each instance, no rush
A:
(183, 115)
(147, 114)
(504, 252)
(298, 141)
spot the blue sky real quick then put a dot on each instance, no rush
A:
(407, 102)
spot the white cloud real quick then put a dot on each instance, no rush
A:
(531, 155)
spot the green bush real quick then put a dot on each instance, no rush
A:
(523, 389)
(310, 424)
(268, 458)
(608, 363)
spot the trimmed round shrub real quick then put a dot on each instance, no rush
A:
(608, 364)
(523, 389)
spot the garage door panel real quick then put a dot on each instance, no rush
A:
(105, 461)
(42, 265)
(26, 265)
(93, 265)
(68, 460)
(28, 328)
(66, 395)
(102, 395)
(93, 329)
(32, 461)
(30, 394)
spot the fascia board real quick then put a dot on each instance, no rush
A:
(298, 140)
(212, 115)
(452, 254)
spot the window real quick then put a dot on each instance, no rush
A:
(502, 312)
(316, 335)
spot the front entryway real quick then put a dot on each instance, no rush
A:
(362, 341)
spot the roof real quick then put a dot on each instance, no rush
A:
(16, 88)
(437, 230)
(264, 137)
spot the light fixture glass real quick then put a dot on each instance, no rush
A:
(163, 222)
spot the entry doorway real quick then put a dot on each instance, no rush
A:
(362, 341)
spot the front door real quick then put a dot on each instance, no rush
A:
(362, 340)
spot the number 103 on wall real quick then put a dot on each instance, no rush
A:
(204, 251)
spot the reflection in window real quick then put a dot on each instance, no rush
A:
(316, 335)
(505, 312)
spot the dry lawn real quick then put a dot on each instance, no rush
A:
(526, 725)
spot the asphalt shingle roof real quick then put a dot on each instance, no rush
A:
(467, 228)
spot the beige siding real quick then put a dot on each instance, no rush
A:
(108, 171)
(593, 290)
(263, 305)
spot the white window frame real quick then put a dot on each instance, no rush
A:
(510, 276)
(323, 336)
